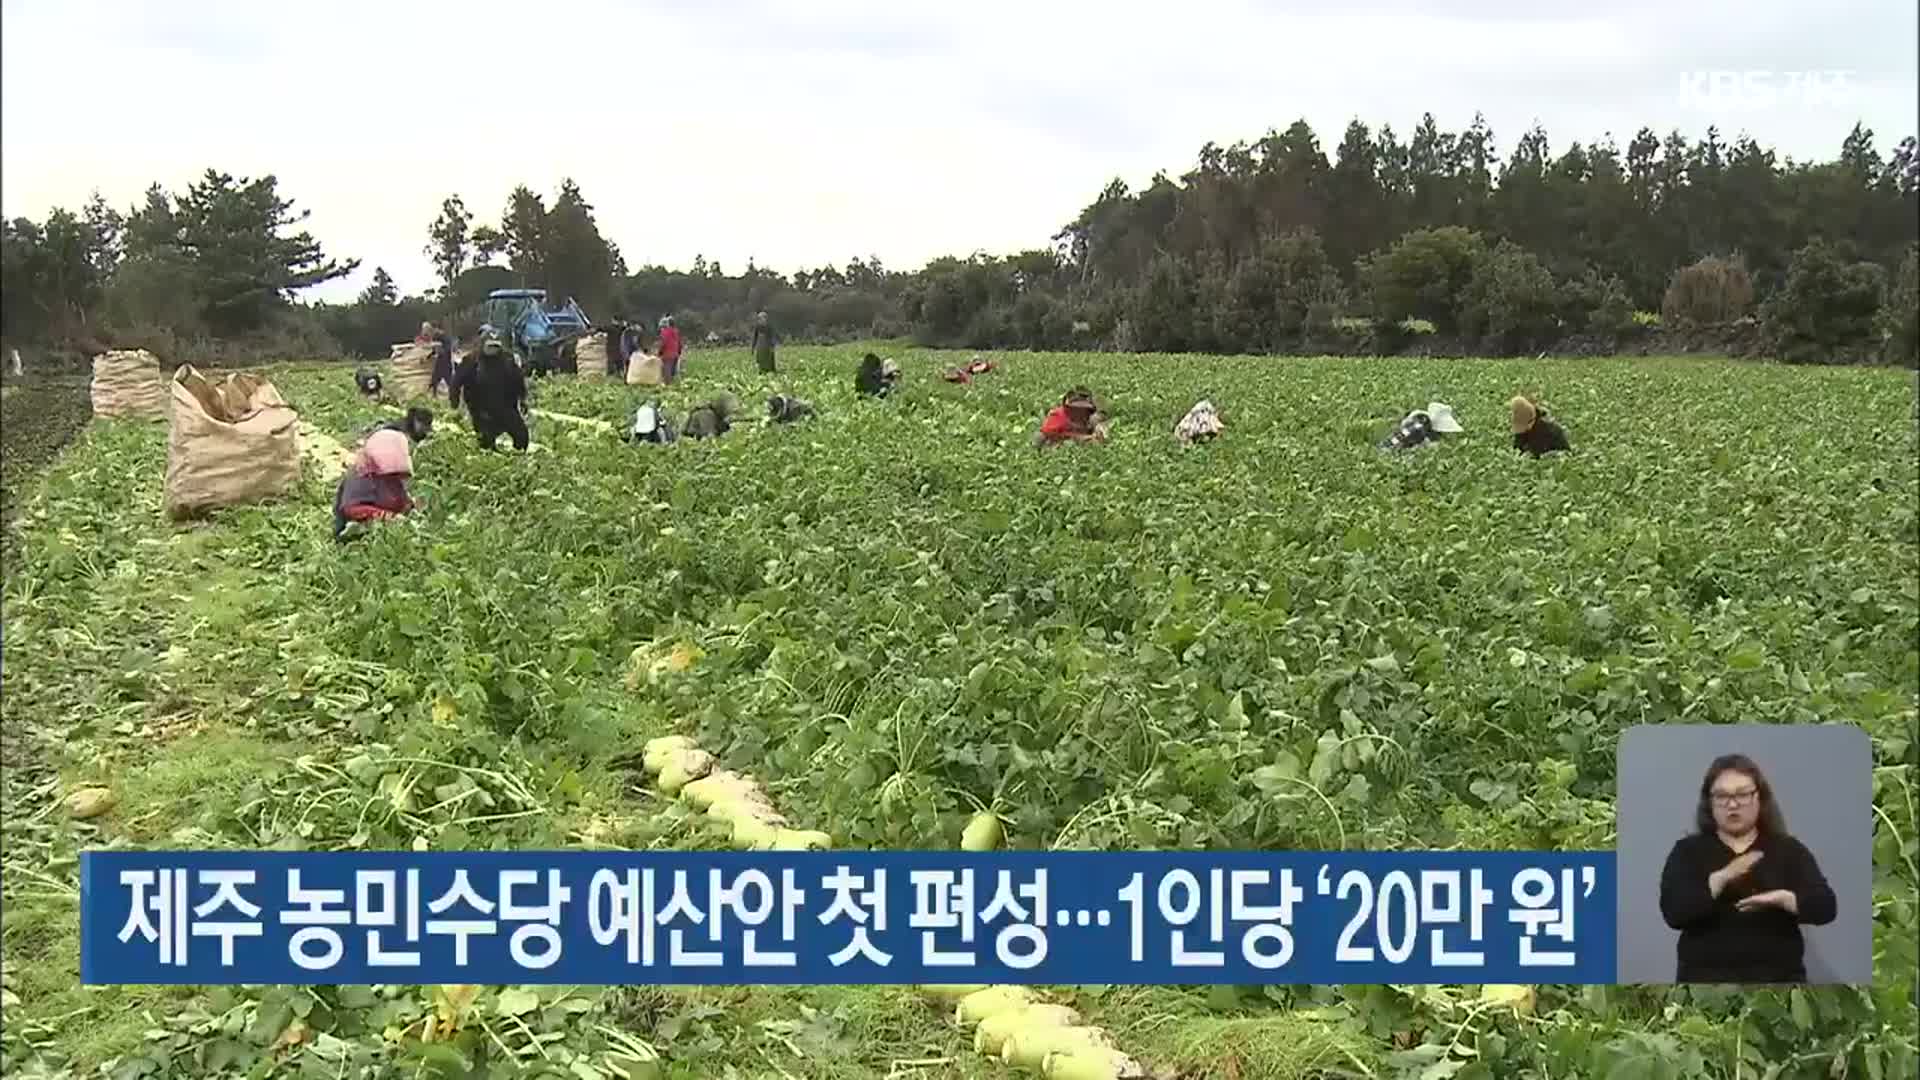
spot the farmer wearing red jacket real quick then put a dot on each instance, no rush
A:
(669, 349)
(1076, 419)
(375, 487)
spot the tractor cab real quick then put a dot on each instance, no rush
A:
(541, 334)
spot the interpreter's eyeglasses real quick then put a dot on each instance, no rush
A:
(1731, 799)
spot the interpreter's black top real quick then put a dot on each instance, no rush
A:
(1721, 944)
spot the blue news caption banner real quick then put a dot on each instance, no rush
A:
(846, 918)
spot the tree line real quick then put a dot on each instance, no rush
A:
(1436, 241)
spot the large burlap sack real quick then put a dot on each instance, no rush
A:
(128, 384)
(230, 442)
(644, 370)
(412, 369)
(590, 356)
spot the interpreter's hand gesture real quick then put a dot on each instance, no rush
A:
(1732, 872)
(1775, 898)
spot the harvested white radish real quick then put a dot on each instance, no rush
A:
(735, 809)
(995, 1030)
(1092, 1065)
(654, 759)
(1029, 1048)
(995, 999)
(801, 840)
(719, 784)
(953, 991)
(684, 768)
(983, 832)
(751, 835)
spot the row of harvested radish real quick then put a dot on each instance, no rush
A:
(732, 799)
(1009, 1022)
(1015, 1025)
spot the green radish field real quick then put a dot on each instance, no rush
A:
(901, 613)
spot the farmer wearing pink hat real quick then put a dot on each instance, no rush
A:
(375, 486)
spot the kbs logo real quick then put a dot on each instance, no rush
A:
(1757, 90)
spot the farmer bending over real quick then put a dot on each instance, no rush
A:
(782, 409)
(1422, 426)
(417, 425)
(650, 426)
(876, 378)
(1076, 419)
(1533, 432)
(496, 393)
(369, 383)
(712, 420)
(1201, 424)
(375, 486)
(964, 375)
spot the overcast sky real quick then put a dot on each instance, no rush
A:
(807, 132)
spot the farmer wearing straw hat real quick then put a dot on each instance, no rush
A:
(1422, 426)
(375, 487)
(1533, 432)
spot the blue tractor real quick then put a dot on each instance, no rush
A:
(542, 336)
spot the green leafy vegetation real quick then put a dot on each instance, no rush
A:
(900, 614)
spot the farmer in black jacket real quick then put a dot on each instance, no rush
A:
(1739, 887)
(876, 378)
(496, 393)
(1533, 432)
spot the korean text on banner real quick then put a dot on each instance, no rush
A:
(846, 918)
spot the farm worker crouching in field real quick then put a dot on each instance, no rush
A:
(1201, 424)
(416, 425)
(375, 487)
(712, 420)
(1422, 426)
(876, 377)
(763, 343)
(368, 382)
(1076, 419)
(965, 374)
(495, 390)
(782, 409)
(1533, 432)
(650, 425)
(669, 350)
